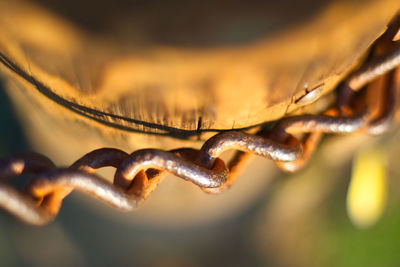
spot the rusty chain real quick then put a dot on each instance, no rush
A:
(290, 143)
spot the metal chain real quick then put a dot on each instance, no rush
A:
(290, 143)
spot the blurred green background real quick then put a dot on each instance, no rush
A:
(301, 220)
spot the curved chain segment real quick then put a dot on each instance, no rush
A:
(290, 144)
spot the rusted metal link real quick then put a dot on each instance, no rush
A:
(158, 159)
(380, 124)
(373, 69)
(58, 181)
(378, 67)
(24, 162)
(254, 144)
(290, 143)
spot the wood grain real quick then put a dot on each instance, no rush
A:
(171, 86)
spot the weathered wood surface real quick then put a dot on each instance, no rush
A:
(181, 67)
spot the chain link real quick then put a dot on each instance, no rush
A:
(290, 143)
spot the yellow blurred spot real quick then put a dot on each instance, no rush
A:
(366, 197)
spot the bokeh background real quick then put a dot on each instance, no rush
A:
(298, 220)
